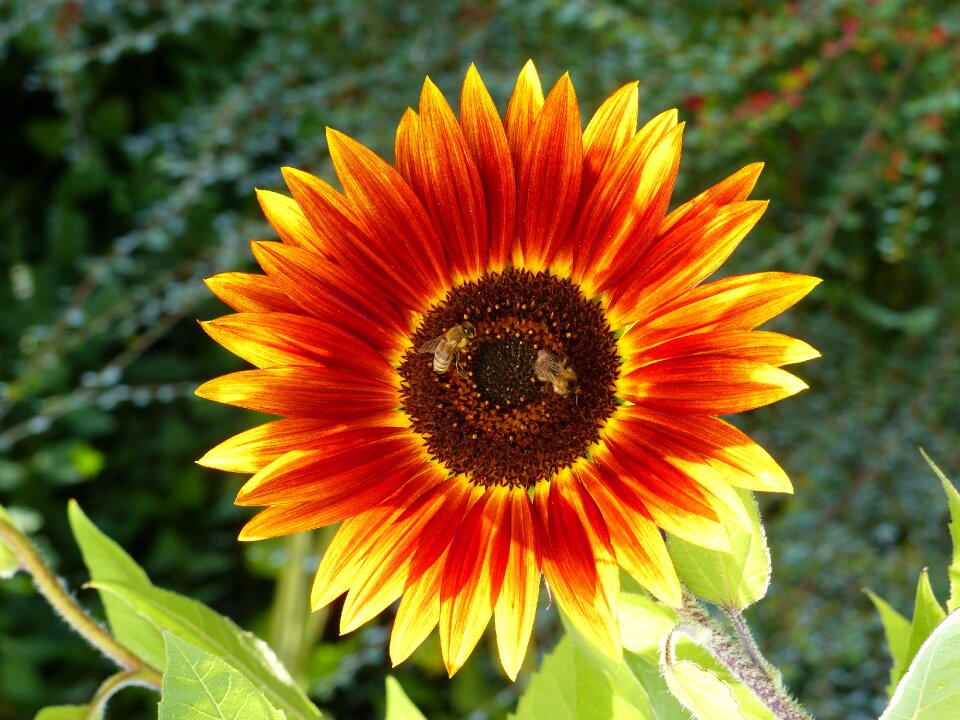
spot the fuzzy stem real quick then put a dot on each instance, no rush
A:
(51, 587)
(746, 663)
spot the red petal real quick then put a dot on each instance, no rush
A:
(418, 613)
(549, 179)
(487, 139)
(350, 466)
(522, 110)
(392, 217)
(637, 541)
(420, 536)
(578, 560)
(308, 392)
(757, 345)
(607, 133)
(288, 219)
(517, 605)
(250, 293)
(473, 576)
(386, 267)
(707, 385)
(254, 449)
(355, 538)
(449, 185)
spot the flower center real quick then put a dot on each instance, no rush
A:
(510, 378)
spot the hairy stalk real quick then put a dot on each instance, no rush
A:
(743, 659)
(51, 587)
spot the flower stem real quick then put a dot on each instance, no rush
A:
(742, 658)
(51, 587)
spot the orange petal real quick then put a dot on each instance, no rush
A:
(617, 256)
(608, 131)
(250, 293)
(332, 292)
(636, 540)
(757, 345)
(739, 302)
(420, 536)
(318, 392)
(257, 447)
(733, 189)
(392, 217)
(353, 467)
(450, 186)
(610, 210)
(517, 605)
(333, 217)
(487, 140)
(418, 613)
(473, 576)
(522, 111)
(287, 218)
(578, 560)
(549, 179)
(672, 510)
(741, 461)
(708, 385)
(686, 260)
(354, 539)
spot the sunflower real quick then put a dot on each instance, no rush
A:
(497, 359)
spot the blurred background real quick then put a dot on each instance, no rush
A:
(134, 132)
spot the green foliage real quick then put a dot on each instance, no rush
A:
(399, 706)
(9, 564)
(732, 579)
(64, 712)
(931, 688)
(135, 132)
(953, 501)
(201, 686)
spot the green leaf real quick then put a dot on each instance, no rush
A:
(64, 712)
(644, 622)
(927, 614)
(109, 563)
(930, 690)
(9, 563)
(577, 682)
(200, 686)
(732, 579)
(953, 501)
(197, 624)
(897, 630)
(701, 691)
(399, 706)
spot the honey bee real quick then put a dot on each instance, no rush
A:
(560, 375)
(446, 348)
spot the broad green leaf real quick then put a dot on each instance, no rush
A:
(927, 614)
(199, 625)
(577, 682)
(701, 692)
(64, 712)
(897, 629)
(200, 686)
(108, 562)
(953, 501)
(399, 706)
(930, 690)
(644, 622)
(9, 564)
(732, 579)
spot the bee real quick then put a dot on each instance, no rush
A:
(446, 348)
(560, 375)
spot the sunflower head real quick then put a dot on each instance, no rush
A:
(499, 358)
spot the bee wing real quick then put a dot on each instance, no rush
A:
(443, 357)
(431, 346)
(546, 367)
